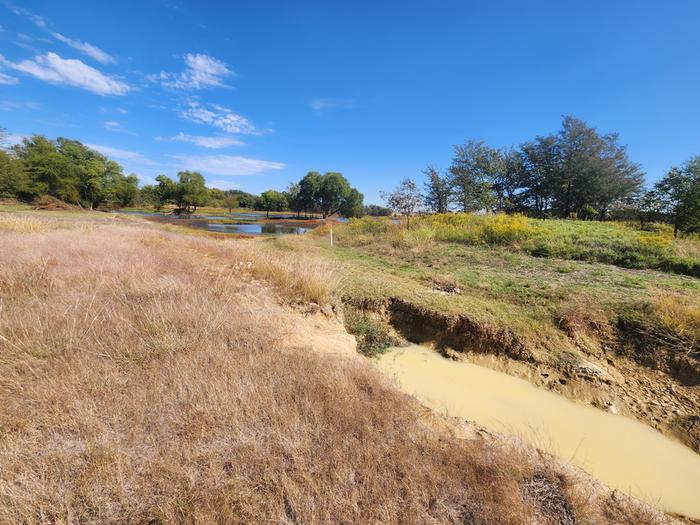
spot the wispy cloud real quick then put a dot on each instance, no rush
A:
(19, 11)
(86, 48)
(123, 155)
(111, 125)
(56, 70)
(202, 71)
(7, 79)
(219, 117)
(120, 111)
(11, 105)
(218, 142)
(227, 164)
(321, 104)
(222, 184)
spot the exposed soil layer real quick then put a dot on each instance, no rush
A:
(656, 388)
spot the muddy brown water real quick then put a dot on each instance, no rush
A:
(621, 452)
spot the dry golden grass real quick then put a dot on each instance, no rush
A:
(678, 322)
(21, 224)
(143, 379)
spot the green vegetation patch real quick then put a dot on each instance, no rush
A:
(619, 244)
(373, 336)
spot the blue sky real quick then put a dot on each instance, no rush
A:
(255, 94)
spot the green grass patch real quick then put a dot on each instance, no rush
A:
(372, 335)
(619, 244)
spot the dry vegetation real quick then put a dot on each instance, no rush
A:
(145, 377)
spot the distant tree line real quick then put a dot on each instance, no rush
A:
(65, 169)
(326, 194)
(77, 174)
(190, 192)
(576, 172)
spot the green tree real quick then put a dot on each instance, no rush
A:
(191, 191)
(230, 201)
(374, 210)
(89, 168)
(335, 195)
(164, 191)
(473, 169)
(125, 190)
(295, 201)
(70, 171)
(49, 170)
(437, 191)
(271, 200)
(539, 161)
(593, 170)
(245, 200)
(677, 196)
(505, 180)
(14, 179)
(405, 199)
(216, 197)
(353, 204)
(308, 192)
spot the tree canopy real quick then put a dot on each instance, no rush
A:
(676, 197)
(573, 172)
(271, 200)
(67, 170)
(405, 199)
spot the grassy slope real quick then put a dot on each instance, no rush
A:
(559, 306)
(145, 376)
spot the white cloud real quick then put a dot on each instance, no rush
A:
(227, 164)
(319, 104)
(84, 47)
(13, 138)
(111, 125)
(220, 117)
(222, 184)
(218, 142)
(123, 155)
(7, 79)
(35, 19)
(202, 71)
(56, 70)
(88, 49)
(121, 111)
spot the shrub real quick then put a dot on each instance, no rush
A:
(467, 228)
(506, 229)
(361, 231)
(373, 337)
(417, 237)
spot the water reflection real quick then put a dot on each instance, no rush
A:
(207, 222)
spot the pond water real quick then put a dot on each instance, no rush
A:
(246, 227)
(621, 452)
(269, 228)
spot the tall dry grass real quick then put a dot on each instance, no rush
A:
(143, 379)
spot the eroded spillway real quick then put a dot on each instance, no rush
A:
(620, 451)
